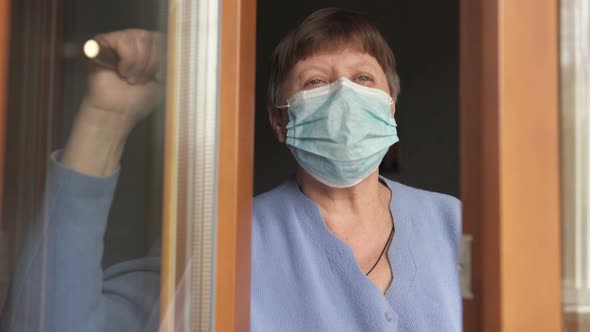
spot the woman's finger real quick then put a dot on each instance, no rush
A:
(153, 60)
(141, 40)
(125, 44)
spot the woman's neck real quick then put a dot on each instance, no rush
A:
(360, 203)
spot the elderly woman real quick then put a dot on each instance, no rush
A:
(335, 248)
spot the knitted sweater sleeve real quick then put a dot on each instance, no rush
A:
(58, 284)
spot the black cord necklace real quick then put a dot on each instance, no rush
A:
(386, 243)
(384, 248)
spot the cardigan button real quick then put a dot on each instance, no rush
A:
(388, 316)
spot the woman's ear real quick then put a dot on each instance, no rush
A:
(278, 122)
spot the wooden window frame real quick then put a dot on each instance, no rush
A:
(5, 6)
(236, 165)
(509, 97)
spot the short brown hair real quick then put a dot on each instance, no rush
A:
(330, 28)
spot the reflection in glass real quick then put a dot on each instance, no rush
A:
(64, 267)
(191, 166)
(575, 162)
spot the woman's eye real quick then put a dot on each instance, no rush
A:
(364, 79)
(313, 82)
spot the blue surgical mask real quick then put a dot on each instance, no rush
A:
(339, 133)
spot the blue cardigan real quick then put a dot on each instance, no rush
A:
(303, 277)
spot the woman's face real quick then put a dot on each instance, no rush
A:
(323, 68)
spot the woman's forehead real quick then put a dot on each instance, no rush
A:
(342, 57)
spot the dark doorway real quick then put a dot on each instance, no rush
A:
(424, 36)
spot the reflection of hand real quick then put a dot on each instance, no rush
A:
(130, 90)
(117, 99)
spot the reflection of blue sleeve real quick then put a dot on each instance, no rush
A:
(59, 284)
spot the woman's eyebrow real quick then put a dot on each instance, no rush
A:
(362, 64)
(313, 67)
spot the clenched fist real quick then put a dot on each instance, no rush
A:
(117, 99)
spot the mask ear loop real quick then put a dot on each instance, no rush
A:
(281, 107)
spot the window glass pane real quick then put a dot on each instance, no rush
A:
(575, 163)
(82, 208)
(190, 191)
